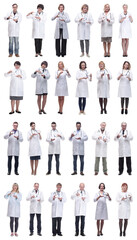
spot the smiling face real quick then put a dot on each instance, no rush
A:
(126, 65)
(43, 66)
(81, 186)
(106, 8)
(101, 65)
(124, 188)
(125, 7)
(83, 66)
(61, 65)
(58, 186)
(36, 186)
(15, 187)
(17, 66)
(78, 126)
(39, 10)
(15, 126)
(61, 8)
(103, 126)
(53, 125)
(85, 9)
(102, 187)
(124, 126)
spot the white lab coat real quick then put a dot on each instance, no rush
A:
(106, 27)
(38, 29)
(82, 86)
(35, 204)
(101, 208)
(64, 16)
(16, 83)
(13, 143)
(103, 84)
(13, 204)
(34, 144)
(101, 146)
(80, 205)
(54, 146)
(83, 28)
(124, 90)
(125, 26)
(13, 27)
(61, 84)
(124, 143)
(57, 205)
(41, 82)
(124, 205)
(78, 145)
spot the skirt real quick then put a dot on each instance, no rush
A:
(106, 39)
(16, 98)
(41, 94)
(34, 157)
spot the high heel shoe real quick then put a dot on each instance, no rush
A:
(122, 111)
(120, 234)
(101, 111)
(124, 234)
(105, 111)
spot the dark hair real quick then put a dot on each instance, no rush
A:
(17, 63)
(78, 123)
(15, 123)
(32, 123)
(15, 4)
(53, 123)
(84, 5)
(129, 65)
(44, 63)
(59, 184)
(36, 183)
(61, 5)
(101, 184)
(40, 6)
(124, 184)
(82, 63)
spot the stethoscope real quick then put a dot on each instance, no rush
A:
(14, 16)
(124, 132)
(36, 194)
(57, 194)
(84, 15)
(126, 74)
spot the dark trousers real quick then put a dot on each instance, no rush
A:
(128, 163)
(12, 220)
(31, 228)
(56, 225)
(81, 162)
(61, 44)
(82, 218)
(82, 46)
(50, 156)
(82, 103)
(38, 45)
(15, 165)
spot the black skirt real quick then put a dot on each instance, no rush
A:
(35, 157)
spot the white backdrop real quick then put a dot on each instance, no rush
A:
(66, 122)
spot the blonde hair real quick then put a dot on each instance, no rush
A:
(15, 184)
(85, 5)
(102, 63)
(107, 5)
(60, 63)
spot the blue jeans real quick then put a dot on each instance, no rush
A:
(81, 162)
(50, 162)
(14, 41)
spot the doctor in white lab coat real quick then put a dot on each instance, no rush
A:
(124, 198)
(125, 20)
(53, 138)
(124, 92)
(84, 21)
(61, 31)
(34, 137)
(82, 77)
(57, 198)
(17, 76)
(14, 18)
(103, 77)
(61, 89)
(81, 198)
(106, 19)
(102, 138)
(14, 138)
(14, 197)
(41, 75)
(38, 29)
(124, 137)
(78, 138)
(36, 198)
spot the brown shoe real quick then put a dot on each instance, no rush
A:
(105, 173)
(17, 55)
(96, 173)
(10, 55)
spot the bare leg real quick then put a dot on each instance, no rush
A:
(102, 224)
(32, 164)
(44, 101)
(98, 226)
(12, 105)
(126, 45)
(17, 105)
(104, 45)
(62, 103)
(36, 166)
(59, 101)
(123, 46)
(109, 46)
(39, 102)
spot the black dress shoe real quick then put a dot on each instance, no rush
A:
(58, 173)
(83, 234)
(31, 234)
(122, 111)
(16, 173)
(11, 112)
(39, 234)
(105, 111)
(126, 111)
(8, 173)
(101, 111)
(76, 234)
(74, 173)
(120, 173)
(81, 173)
(54, 235)
(48, 173)
(129, 173)
(60, 234)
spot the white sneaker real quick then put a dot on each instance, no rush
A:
(88, 55)
(82, 55)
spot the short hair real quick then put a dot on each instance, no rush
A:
(32, 123)
(129, 65)
(40, 6)
(15, 122)
(124, 184)
(125, 5)
(44, 63)
(101, 184)
(15, 4)
(107, 5)
(101, 62)
(78, 123)
(84, 5)
(82, 63)
(17, 63)
(61, 5)
(123, 123)
(36, 183)
(53, 123)
(59, 184)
